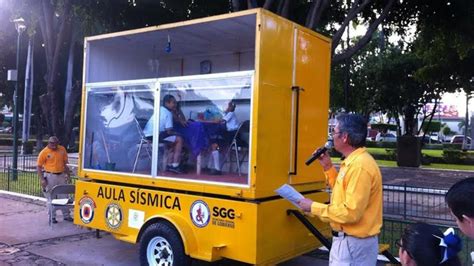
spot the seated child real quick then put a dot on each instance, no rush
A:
(459, 200)
(231, 124)
(425, 244)
(167, 134)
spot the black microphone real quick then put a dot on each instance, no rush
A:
(319, 152)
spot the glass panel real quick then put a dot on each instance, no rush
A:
(204, 128)
(114, 137)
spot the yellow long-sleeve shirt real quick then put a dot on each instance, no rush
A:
(356, 199)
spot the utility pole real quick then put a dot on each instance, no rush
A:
(20, 28)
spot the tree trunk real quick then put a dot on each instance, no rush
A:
(236, 6)
(69, 77)
(315, 12)
(45, 111)
(56, 114)
(75, 96)
(54, 31)
(39, 129)
(338, 58)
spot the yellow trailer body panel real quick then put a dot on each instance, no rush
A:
(251, 232)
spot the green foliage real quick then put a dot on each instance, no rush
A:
(446, 27)
(446, 130)
(28, 147)
(455, 156)
(381, 144)
(382, 80)
(384, 127)
(391, 154)
(433, 126)
(450, 146)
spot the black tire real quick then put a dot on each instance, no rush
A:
(163, 236)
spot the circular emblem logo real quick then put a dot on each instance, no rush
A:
(200, 213)
(113, 216)
(86, 210)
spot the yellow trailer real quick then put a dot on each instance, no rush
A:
(204, 189)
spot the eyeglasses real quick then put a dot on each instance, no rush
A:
(399, 244)
(335, 133)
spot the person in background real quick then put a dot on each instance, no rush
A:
(425, 244)
(167, 133)
(381, 134)
(53, 170)
(355, 210)
(178, 116)
(459, 200)
(231, 125)
(461, 204)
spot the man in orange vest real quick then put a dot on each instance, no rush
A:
(53, 170)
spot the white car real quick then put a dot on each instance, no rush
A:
(388, 137)
(459, 139)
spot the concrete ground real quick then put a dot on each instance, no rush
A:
(26, 239)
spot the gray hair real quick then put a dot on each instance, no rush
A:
(356, 128)
(53, 139)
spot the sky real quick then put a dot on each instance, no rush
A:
(459, 99)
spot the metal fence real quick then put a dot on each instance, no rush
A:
(402, 204)
(416, 203)
(24, 162)
(25, 179)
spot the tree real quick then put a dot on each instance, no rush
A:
(333, 18)
(62, 25)
(447, 31)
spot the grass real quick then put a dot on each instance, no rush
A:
(26, 183)
(433, 153)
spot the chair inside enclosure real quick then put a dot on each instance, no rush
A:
(61, 198)
(239, 147)
(143, 142)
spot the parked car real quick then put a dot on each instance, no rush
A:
(459, 139)
(6, 130)
(388, 137)
(429, 140)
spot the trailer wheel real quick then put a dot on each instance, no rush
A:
(161, 244)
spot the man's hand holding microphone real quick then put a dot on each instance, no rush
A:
(322, 155)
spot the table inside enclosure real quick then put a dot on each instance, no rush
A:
(198, 135)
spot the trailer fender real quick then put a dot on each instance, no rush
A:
(183, 228)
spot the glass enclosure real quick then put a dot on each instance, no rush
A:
(197, 130)
(114, 118)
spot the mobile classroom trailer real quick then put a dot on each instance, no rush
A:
(275, 72)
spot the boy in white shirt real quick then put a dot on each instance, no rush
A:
(167, 133)
(231, 124)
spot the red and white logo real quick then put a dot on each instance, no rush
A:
(200, 213)
(86, 210)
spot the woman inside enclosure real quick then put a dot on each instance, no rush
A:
(424, 244)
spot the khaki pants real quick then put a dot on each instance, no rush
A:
(54, 180)
(353, 251)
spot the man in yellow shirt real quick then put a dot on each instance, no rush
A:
(355, 210)
(53, 170)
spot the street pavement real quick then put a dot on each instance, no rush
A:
(26, 238)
